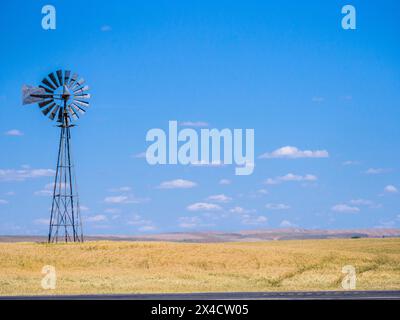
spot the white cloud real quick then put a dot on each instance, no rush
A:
(14, 133)
(24, 174)
(3, 201)
(106, 28)
(121, 189)
(124, 199)
(204, 206)
(254, 220)
(361, 202)
(84, 208)
(219, 198)
(241, 210)
(49, 188)
(147, 228)
(344, 208)
(373, 171)
(96, 218)
(391, 189)
(225, 181)
(277, 206)
(194, 124)
(291, 177)
(287, 224)
(177, 184)
(263, 191)
(294, 153)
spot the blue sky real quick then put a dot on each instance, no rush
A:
(286, 69)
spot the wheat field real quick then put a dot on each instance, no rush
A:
(107, 267)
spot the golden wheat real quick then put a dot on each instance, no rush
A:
(148, 267)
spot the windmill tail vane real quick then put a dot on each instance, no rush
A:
(63, 97)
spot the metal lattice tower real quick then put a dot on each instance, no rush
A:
(63, 97)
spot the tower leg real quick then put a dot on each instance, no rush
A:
(65, 220)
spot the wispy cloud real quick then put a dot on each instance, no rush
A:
(24, 174)
(96, 218)
(2, 201)
(141, 223)
(291, 177)
(177, 184)
(124, 199)
(84, 208)
(287, 224)
(365, 202)
(121, 189)
(350, 163)
(254, 220)
(240, 210)
(225, 181)
(345, 208)
(373, 171)
(277, 206)
(189, 222)
(203, 206)
(49, 188)
(14, 133)
(219, 198)
(290, 152)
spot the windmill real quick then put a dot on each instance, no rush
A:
(63, 97)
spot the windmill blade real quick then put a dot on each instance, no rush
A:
(53, 78)
(48, 109)
(82, 103)
(45, 103)
(60, 77)
(48, 83)
(46, 89)
(73, 79)
(66, 76)
(32, 94)
(80, 109)
(42, 96)
(82, 96)
(81, 90)
(78, 83)
(73, 113)
(54, 112)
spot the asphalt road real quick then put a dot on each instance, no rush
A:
(318, 295)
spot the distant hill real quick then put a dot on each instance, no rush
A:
(243, 236)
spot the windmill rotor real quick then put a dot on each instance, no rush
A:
(59, 96)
